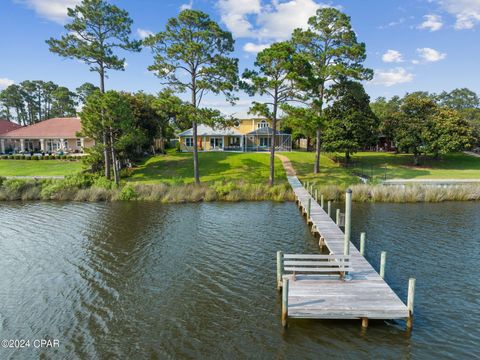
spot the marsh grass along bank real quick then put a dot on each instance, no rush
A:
(90, 188)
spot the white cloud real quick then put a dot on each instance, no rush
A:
(54, 10)
(234, 14)
(392, 56)
(274, 20)
(392, 77)
(430, 55)
(143, 33)
(254, 48)
(431, 22)
(4, 83)
(280, 19)
(186, 6)
(466, 12)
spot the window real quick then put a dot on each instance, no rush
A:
(189, 141)
(262, 124)
(79, 143)
(265, 141)
(234, 141)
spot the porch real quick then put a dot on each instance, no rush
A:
(33, 145)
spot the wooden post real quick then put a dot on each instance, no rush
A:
(383, 259)
(348, 222)
(338, 217)
(285, 302)
(329, 208)
(309, 207)
(410, 299)
(362, 243)
(364, 323)
(322, 202)
(316, 195)
(279, 269)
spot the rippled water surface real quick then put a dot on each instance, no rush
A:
(144, 280)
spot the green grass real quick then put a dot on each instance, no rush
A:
(398, 166)
(330, 172)
(214, 166)
(39, 167)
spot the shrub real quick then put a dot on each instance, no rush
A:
(224, 188)
(101, 182)
(127, 193)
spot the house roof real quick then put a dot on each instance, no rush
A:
(6, 126)
(265, 131)
(61, 128)
(204, 130)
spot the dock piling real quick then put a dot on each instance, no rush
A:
(285, 302)
(383, 260)
(337, 220)
(364, 323)
(348, 222)
(362, 243)
(316, 195)
(410, 301)
(329, 208)
(309, 207)
(322, 204)
(279, 269)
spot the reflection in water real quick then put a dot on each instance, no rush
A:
(145, 280)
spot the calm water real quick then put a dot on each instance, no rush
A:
(143, 280)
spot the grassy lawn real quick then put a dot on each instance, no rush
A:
(330, 172)
(38, 167)
(452, 166)
(178, 167)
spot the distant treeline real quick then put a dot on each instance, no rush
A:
(32, 101)
(422, 122)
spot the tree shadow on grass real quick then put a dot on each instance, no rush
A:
(213, 166)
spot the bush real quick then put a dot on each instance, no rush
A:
(127, 193)
(103, 183)
(224, 188)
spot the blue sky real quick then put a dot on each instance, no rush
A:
(430, 45)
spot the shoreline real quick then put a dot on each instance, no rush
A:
(72, 189)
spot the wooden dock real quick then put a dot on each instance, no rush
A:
(359, 293)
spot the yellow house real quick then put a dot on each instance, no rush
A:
(247, 135)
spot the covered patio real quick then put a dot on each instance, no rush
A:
(261, 140)
(59, 135)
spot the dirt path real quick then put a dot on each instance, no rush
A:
(287, 165)
(472, 153)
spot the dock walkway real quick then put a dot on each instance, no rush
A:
(363, 295)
